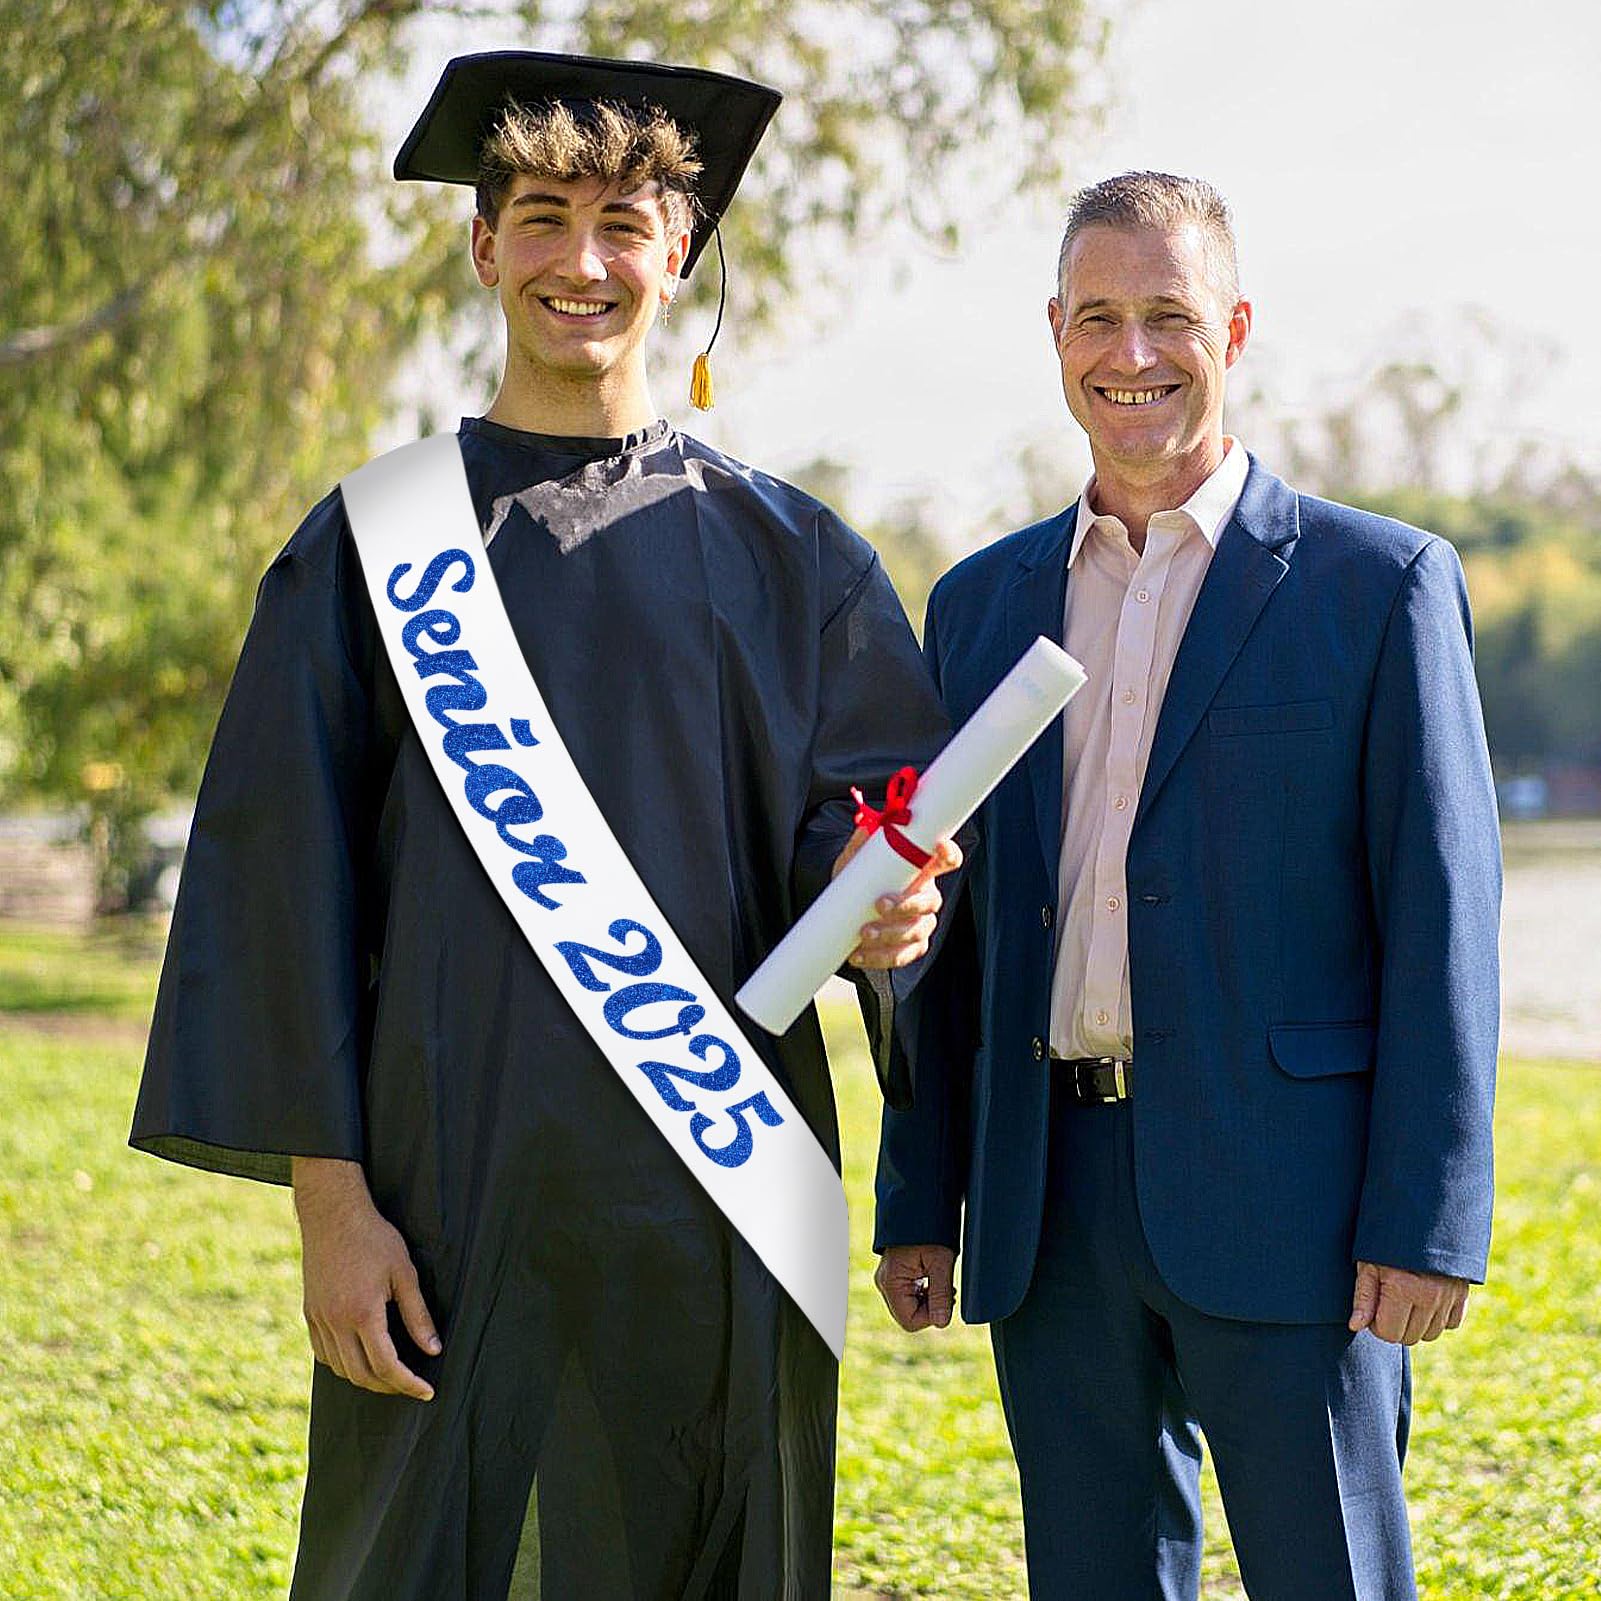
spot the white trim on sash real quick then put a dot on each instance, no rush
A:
(574, 894)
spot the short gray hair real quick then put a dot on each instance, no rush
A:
(1156, 200)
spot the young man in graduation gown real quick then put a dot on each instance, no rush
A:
(547, 1364)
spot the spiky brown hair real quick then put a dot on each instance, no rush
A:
(621, 144)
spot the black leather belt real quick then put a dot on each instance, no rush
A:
(1097, 1080)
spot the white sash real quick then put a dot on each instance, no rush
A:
(574, 894)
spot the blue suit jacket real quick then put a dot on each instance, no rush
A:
(1313, 893)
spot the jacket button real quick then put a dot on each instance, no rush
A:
(1045, 917)
(1039, 1049)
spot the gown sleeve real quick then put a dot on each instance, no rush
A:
(878, 711)
(256, 1043)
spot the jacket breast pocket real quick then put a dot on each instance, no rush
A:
(1286, 717)
(1322, 1050)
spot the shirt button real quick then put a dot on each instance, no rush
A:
(1142, 595)
(1112, 903)
(1039, 1049)
(1101, 1017)
(1045, 917)
(1128, 697)
(1121, 803)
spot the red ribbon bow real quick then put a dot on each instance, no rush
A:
(897, 810)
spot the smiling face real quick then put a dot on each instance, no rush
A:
(1145, 334)
(581, 266)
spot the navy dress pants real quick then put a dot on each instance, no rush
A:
(1306, 1422)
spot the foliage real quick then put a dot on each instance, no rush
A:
(211, 283)
(1534, 575)
(156, 1368)
(1530, 544)
(197, 342)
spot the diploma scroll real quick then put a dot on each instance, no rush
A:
(975, 760)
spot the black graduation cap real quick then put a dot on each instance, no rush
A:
(727, 116)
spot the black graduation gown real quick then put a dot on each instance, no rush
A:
(724, 659)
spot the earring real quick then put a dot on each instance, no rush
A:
(667, 312)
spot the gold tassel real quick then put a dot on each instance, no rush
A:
(700, 377)
(700, 382)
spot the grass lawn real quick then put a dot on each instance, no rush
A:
(153, 1410)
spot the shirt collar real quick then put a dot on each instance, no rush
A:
(1208, 509)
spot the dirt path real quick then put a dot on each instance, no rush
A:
(86, 1026)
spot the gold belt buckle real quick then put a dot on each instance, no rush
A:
(1120, 1079)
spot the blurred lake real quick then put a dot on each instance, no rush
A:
(1551, 939)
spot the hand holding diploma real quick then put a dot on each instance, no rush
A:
(913, 826)
(905, 923)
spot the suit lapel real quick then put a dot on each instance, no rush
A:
(1245, 571)
(1034, 606)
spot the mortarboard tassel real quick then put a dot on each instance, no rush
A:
(700, 383)
(700, 377)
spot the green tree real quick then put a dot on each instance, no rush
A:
(211, 283)
(1534, 576)
(198, 340)
(1529, 534)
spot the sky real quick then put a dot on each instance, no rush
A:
(1401, 172)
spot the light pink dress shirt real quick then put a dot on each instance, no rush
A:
(1124, 618)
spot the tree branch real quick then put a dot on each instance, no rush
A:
(29, 345)
(34, 344)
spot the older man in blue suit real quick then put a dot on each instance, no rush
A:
(1208, 1052)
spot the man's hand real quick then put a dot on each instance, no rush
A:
(1404, 1307)
(354, 1264)
(906, 922)
(917, 1283)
